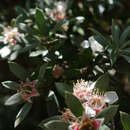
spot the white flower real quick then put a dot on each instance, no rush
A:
(9, 35)
(97, 102)
(89, 111)
(5, 51)
(95, 46)
(82, 89)
(58, 12)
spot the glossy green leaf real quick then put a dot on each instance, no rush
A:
(74, 104)
(124, 45)
(26, 28)
(55, 125)
(19, 19)
(41, 21)
(20, 10)
(102, 40)
(124, 35)
(125, 119)
(127, 58)
(102, 83)
(39, 17)
(115, 33)
(52, 102)
(108, 113)
(22, 113)
(58, 26)
(11, 85)
(62, 87)
(57, 117)
(18, 71)
(42, 71)
(14, 99)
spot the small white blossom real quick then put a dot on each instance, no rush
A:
(5, 51)
(10, 34)
(95, 46)
(82, 89)
(58, 12)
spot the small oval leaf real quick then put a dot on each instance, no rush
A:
(125, 119)
(55, 125)
(18, 70)
(102, 82)
(22, 113)
(108, 113)
(74, 104)
(11, 85)
(14, 99)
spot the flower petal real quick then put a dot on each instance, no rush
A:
(98, 122)
(89, 111)
(111, 97)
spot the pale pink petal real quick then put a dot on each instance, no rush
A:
(98, 122)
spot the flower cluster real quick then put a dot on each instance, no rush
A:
(93, 102)
(28, 90)
(10, 34)
(58, 12)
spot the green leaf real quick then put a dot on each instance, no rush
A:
(115, 33)
(108, 113)
(29, 48)
(18, 71)
(41, 22)
(125, 51)
(57, 117)
(124, 35)
(58, 26)
(26, 28)
(14, 99)
(62, 87)
(42, 71)
(39, 17)
(104, 127)
(125, 44)
(54, 125)
(20, 10)
(52, 102)
(125, 119)
(102, 40)
(127, 58)
(19, 19)
(74, 104)
(11, 85)
(102, 83)
(22, 113)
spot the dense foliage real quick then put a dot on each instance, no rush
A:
(65, 65)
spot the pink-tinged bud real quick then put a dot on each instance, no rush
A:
(28, 90)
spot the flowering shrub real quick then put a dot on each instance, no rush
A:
(93, 102)
(50, 45)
